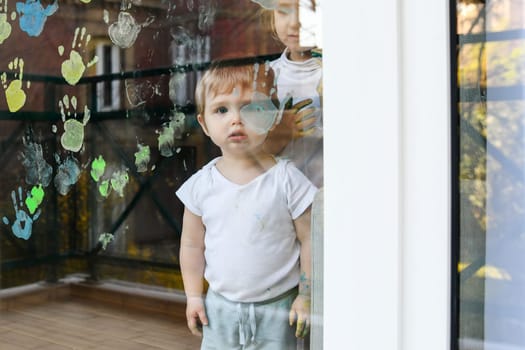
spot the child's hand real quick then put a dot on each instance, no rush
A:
(305, 121)
(304, 118)
(300, 311)
(297, 121)
(196, 315)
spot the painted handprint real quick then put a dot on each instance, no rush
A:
(267, 4)
(73, 136)
(5, 26)
(142, 158)
(15, 95)
(23, 225)
(170, 131)
(105, 239)
(138, 93)
(125, 30)
(261, 114)
(38, 171)
(113, 180)
(33, 15)
(34, 198)
(104, 188)
(207, 10)
(68, 173)
(73, 68)
(166, 139)
(119, 180)
(98, 167)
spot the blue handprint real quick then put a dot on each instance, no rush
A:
(23, 225)
(33, 15)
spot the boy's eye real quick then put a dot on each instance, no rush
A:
(222, 110)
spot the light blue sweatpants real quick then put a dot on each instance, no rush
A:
(248, 326)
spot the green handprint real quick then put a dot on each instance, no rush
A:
(34, 199)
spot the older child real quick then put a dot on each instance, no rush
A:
(246, 225)
(299, 137)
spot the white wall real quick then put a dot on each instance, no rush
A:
(386, 102)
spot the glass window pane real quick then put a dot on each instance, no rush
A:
(491, 173)
(99, 128)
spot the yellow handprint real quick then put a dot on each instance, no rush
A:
(5, 26)
(16, 97)
(74, 67)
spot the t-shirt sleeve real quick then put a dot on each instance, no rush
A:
(300, 191)
(188, 194)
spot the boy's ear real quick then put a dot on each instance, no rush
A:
(200, 119)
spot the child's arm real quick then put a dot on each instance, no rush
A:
(300, 310)
(192, 267)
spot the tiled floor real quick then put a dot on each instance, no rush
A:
(75, 323)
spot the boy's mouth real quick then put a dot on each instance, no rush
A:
(237, 135)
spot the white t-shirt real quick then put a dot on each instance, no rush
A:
(251, 247)
(302, 80)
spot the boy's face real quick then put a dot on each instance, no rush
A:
(223, 123)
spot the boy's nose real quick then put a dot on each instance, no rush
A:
(236, 118)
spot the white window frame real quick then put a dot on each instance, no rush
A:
(387, 175)
(114, 104)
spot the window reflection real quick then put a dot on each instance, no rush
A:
(491, 174)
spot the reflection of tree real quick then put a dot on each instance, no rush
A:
(483, 67)
(492, 153)
(472, 111)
